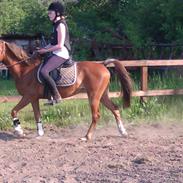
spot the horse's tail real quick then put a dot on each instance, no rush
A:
(125, 80)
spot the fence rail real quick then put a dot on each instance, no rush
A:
(130, 52)
(144, 65)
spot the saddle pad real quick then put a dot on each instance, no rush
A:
(65, 76)
(68, 76)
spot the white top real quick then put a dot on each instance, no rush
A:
(63, 52)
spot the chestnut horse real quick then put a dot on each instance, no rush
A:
(94, 77)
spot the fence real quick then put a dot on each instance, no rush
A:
(3, 71)
(144, 65)
(129, 52)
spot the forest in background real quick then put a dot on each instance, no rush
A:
(99, 22)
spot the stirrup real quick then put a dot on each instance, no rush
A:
(58, 100)
(50, 102)
(53, 101)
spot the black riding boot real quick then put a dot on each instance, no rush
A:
(53, 89)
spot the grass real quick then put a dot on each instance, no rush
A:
(74, 112)
(68, 113)
(7, 87)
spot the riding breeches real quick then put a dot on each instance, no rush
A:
(51, 64)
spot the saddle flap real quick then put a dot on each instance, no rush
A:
(63, 76)
(68, 63)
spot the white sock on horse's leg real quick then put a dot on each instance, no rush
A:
(40, 130)
(121, 128)
(17, 127)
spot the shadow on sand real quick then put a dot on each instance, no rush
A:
(7, 136)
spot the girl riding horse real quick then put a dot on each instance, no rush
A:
(59, 47)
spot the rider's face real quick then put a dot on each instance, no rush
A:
(51, 15)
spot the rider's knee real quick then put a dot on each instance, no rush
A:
(44, 72)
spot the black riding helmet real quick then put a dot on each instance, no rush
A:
(58, 7)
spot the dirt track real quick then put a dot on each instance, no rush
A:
(152, 153)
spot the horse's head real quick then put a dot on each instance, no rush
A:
(12, 52)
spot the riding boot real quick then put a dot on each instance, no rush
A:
(56, 96)
(53, 89)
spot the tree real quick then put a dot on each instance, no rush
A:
(23, 17)
(135, 22)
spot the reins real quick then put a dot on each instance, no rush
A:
(11, 65)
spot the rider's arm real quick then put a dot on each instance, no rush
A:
(61, 31)
(47, 46)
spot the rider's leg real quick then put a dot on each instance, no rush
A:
(50, 65)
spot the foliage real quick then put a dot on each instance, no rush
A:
(7, 88)
(135, 22)
(141, 21)
(23, 17)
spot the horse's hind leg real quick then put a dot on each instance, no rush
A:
(114, 109)
(22, 103)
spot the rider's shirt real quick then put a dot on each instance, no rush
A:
(64, 52)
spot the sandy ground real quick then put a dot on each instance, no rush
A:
(151, 153)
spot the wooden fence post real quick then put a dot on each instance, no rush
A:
(144, 82)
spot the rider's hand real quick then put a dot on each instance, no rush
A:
(42, 51)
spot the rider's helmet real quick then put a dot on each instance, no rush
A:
(58, 7)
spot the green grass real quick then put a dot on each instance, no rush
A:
(68, 113)
(169, 79)
(7, 87)
(74, 112)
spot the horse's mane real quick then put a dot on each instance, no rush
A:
(17, 51)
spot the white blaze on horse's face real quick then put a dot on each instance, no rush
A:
(2, 47)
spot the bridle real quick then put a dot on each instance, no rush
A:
(11, 65)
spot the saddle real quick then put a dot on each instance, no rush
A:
(64, 75)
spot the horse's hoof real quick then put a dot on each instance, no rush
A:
(124, 134)
(40, 132)
(40, 129)
(122, 130)
(19, 133)
(84, 139)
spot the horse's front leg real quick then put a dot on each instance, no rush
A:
(37, 115)
(94, 104)
(14, 113)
